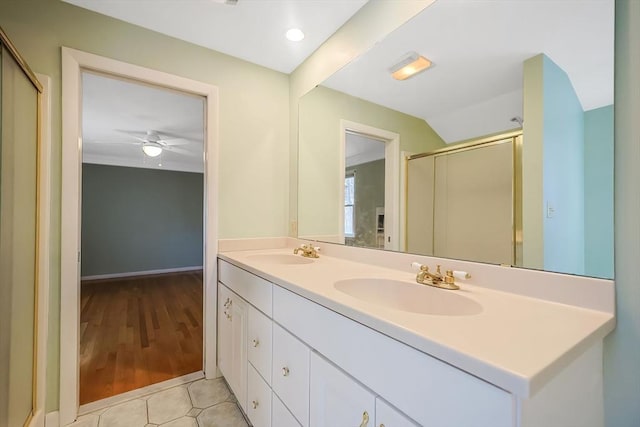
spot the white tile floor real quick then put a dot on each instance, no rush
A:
(202, 403)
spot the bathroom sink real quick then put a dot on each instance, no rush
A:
(280, 259)
(411, 297)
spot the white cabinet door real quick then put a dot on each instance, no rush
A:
(259, 344)
(336, 399)
(232, 341)
(258, 399)
(388, 416)
(280, 415)
(290, 373)
(238, 379)
(224, 331)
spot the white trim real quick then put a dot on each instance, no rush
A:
(52, 419)
(391, 179)
(140, 392)
(44, 253)
(73, 61)
(140, 273)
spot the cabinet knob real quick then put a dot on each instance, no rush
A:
(254, 404)
(256, 342)
(285, 372)
(365, 419)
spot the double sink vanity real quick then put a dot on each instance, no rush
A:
(350, 339)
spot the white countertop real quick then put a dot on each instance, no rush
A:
(517, 343)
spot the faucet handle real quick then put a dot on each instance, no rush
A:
(417, 266)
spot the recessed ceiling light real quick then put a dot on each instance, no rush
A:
(409, 66)
(295, 34)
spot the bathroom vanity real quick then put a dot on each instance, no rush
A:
(304, 342)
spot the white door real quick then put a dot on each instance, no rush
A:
(336, 399)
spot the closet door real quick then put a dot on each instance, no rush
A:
(420, 175)
(473, 215)
(18, 234)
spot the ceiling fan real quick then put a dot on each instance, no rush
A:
(153, 143)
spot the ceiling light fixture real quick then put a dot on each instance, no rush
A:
(152, 149)
(410, 65)
(295, 34)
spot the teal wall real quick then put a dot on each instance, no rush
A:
(563, 170)
(137, 219)
(598, 198)
(622, 346)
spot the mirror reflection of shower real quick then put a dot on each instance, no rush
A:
(364, 190)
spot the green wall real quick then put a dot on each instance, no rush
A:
(369, 188)
(136, 220)
(622, 346)
(320, 112)
(598, 197)
(253, 120)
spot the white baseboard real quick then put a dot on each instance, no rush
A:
(52, 419)
(141, 273)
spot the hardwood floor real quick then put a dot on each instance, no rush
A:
(138, 331)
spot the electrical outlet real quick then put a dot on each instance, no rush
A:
(293, 228)
(551, 211)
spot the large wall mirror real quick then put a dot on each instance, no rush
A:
(501, 151)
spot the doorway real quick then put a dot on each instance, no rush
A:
(76, 66)
(141, 235)
(376, 222)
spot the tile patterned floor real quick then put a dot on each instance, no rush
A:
(202, 403)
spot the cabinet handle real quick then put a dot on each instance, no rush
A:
(256, 342)
(365, 419)
(285, 372)
(226, 303)
(254, 403)
(381, 425)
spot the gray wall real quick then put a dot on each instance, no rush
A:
(369, 185)
(140, 219)
(622, 347)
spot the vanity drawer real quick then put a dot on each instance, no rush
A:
(290, 373)
(258, 399)
(252, 288)
(259, 342)
(280, 415)
(426, 389)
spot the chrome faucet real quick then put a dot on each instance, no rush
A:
(308, 251)
(437, 280)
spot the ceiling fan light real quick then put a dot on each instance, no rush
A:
(152, 149)
(409, 66)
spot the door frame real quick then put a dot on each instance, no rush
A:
(73, 63)
(391, 179)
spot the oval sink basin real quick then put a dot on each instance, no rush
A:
(405, 296)
(280, 259)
